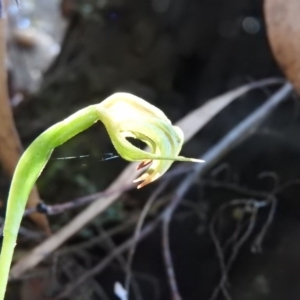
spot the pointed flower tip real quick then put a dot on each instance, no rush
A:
(140, 186)
(143, 177)
(144, 182)
(197, 160)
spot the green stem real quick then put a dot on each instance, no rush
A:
(28, 170)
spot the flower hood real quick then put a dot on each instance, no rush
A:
(125, 115)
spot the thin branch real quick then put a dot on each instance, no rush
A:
(175, 294)
(257, 245)
(226, 268)
(270, 175)
(96, 240)
(63, 207)
(78, 202)
(234, 188)
(138, 229)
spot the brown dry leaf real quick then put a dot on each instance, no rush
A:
(10, 145)
(190, 125)
(283, 29)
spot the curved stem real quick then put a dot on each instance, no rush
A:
(28, 170)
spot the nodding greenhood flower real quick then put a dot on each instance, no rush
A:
(127, 116)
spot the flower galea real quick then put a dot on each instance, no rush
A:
(127, 116)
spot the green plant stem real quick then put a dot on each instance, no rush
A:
(28, 170)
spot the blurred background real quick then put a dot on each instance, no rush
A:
(235, 233)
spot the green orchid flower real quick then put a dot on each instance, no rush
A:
(127, 116)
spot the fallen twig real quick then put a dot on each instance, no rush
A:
(78, 202)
